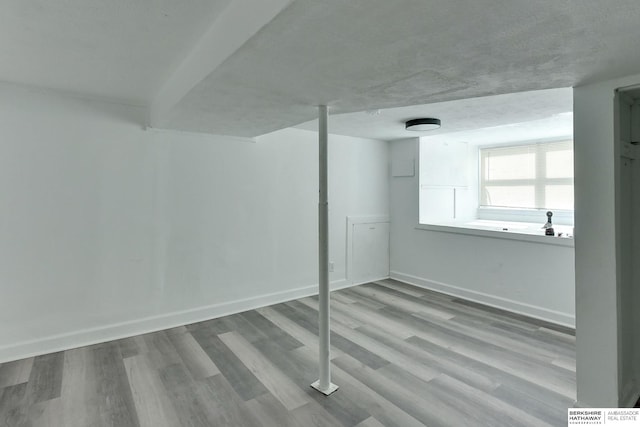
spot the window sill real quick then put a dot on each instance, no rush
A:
(524, 232)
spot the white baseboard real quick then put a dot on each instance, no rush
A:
(366, 281)
(339, 284)
(541, 313)
(115, 331)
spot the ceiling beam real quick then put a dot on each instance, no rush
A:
(238, 22)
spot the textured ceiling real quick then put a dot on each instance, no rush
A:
(116, 49)
(354, 55)
(367, 54)
(549, 110)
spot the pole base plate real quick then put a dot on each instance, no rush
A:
(332, 387)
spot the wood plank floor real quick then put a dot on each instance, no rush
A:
(402, 356)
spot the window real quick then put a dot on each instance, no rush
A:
(534, 176)
(467, 186)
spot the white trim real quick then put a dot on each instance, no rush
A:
(366, 281)
(351, 221)
(538, 216)
(628, 88)
(367, 219)
(559, 318)
(336, 285)
(508, 235)
(83, 337)
(204, 135)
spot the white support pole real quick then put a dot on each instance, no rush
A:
(323, 385)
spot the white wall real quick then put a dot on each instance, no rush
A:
(530, 278)
(448, 180)
(604, 376)
(108, 230)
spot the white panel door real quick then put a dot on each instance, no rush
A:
(370, 252)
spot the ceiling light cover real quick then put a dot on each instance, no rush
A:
(422, 124)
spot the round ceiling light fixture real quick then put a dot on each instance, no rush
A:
(422, 124)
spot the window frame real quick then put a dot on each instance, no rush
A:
(539, 182)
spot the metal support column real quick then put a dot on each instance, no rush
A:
(323, 385)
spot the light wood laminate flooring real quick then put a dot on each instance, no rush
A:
(402, 356)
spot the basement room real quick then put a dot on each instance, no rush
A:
(293, 212)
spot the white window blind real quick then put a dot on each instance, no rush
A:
(534, 176)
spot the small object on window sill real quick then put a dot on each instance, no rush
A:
(548, 227)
